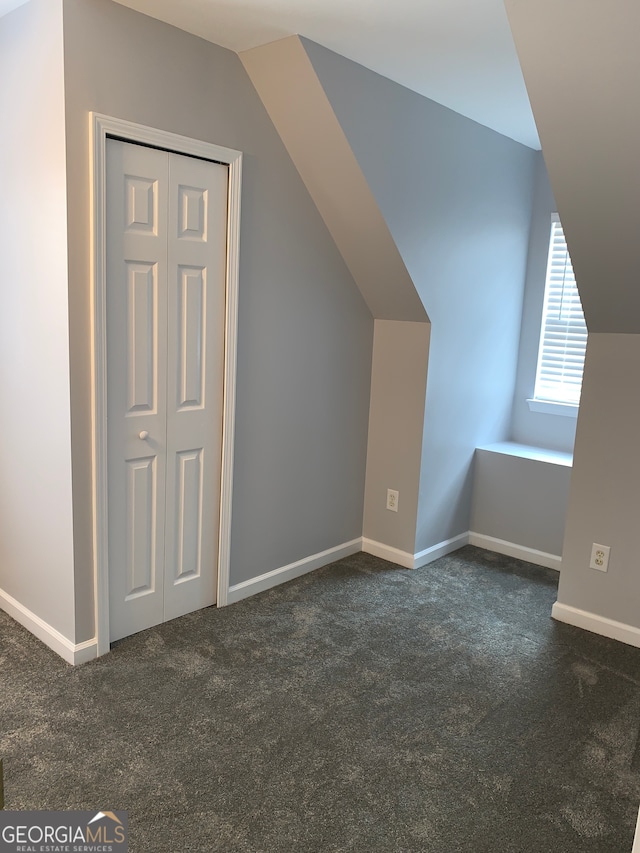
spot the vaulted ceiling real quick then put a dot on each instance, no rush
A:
(457, 52)
(460, 53)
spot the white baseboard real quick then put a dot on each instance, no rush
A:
(596, 624)
(71, 652)
(386, 552)
(402, 558)
(440, 550)
(414, 561)
(83, 652)
(510, 549)
(286, 573)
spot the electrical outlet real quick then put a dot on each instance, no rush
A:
(599, 557)
(392, 500)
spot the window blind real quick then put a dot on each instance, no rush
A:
(563, 338)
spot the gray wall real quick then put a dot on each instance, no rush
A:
(36, 537)
(581, 65)
(605, 487)
(537, 428)
(457, 199)
(398, 383)
(521, 500)
(297, 104)
(305, 333)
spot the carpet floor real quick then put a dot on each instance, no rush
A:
(362, 707)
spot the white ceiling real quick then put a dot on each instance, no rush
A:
(458, 52)
(9, 6)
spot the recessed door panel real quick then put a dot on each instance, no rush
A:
(189, 511)
(192, 212)
(141, 503)
(141, 336)
(141, 200)
(192, 336)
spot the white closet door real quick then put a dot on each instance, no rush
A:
(166, 265)
(137, 196)
(197, 272)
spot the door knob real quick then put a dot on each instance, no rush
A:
(144, 435)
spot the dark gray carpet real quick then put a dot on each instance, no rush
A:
(360, 708)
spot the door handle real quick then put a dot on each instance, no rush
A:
(144, 435)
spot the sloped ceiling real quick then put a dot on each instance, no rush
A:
(584, 93)
(289, 88)
(460, 53)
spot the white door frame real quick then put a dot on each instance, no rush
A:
(101, 127)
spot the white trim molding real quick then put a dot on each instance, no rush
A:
(71, 652)
(102, 127)
(547, 407)
(628, 634)
(414, 561)
(293, 570)
(510, 549)
(422, 558)
(387, 552)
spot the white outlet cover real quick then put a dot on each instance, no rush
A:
(599, 557)
(393, 497)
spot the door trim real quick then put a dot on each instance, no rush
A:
(101, 127)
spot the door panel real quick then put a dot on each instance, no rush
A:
(137, 197)
(192, 212)
(189, 512)
(191, 334)
(196, 289)
(142, 345)
(142, 500)
(166, 272)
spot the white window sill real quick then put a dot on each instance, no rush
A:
(567, 410)
(527, 451)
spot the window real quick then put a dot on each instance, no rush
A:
(563, 337)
